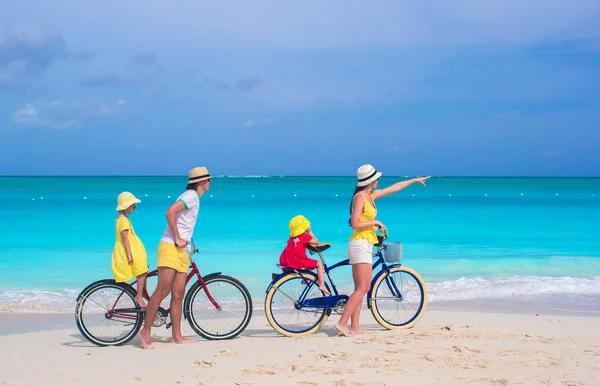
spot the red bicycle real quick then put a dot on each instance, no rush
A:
(216, 306)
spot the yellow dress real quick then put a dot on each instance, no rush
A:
(368, 214)
(122, 270)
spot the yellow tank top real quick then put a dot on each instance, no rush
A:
(368, 214)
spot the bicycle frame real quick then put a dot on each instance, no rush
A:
(385, 268)
(194, 271)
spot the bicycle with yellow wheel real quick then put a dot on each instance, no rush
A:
(295, 306)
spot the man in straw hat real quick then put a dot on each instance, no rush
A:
(173, 258)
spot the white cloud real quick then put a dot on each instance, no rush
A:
(27, 115)
(509, 116)
(81, 110)
(58, 114)
(551, 153)
(385, 22)
(252, 123)
(181, 127)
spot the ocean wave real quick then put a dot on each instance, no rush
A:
(503, 287)
(60, 301)
(38, 300)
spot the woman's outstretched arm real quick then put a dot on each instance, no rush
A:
(397, 187)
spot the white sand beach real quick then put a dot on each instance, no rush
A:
(450, 346)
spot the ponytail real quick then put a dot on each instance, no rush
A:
(356, 190)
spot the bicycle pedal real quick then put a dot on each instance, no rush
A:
(168, 325)
(274, 276)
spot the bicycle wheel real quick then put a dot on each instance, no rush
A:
(216, 324)
(398, 311)
(106, 313)
(282, 310)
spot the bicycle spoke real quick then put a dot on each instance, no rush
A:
(95, 320)
(285, 302)
(233, 315)
(399, 298)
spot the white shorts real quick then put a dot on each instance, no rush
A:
(360, 251)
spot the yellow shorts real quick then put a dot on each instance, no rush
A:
(169, 255)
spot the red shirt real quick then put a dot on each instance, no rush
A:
(294, 254)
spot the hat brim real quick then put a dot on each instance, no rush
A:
(300, 231)
(367, 182)
(199, 178)
(128, 204)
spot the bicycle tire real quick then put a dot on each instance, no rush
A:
(218, 335)
(277, 326)
(82, 300)
(377, 314)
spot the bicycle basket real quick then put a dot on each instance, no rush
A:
(392, 252)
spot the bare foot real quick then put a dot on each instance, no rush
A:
(357, 331)
(181, 339)
(141, 302)
(145, 338)
(324, 289)
(342, 330)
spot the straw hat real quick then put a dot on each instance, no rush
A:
(367, 174)
(198, 174)
(298, 225)
(125, 200)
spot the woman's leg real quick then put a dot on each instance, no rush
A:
(165, 280)
(363, 277)
(177, 293)
(361, 274)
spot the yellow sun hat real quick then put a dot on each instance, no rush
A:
(125, 200)
(298, 225)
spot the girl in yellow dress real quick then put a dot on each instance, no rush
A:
(129, 258)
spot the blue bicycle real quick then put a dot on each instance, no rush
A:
(295, 306)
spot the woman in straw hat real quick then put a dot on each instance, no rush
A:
(173, 258)
(129, 258)
(363, 238)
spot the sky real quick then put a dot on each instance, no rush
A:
(460, 88)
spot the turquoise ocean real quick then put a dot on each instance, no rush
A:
(470, 238)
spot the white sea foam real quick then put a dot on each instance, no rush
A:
(13, 300)
(38, 300)
(469, 288)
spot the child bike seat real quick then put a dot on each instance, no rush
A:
(319, 248)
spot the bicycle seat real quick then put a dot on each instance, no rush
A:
(380, 239)
(319, 248)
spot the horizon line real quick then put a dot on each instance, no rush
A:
(267, 176)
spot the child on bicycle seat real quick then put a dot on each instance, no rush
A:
(294, 255)
(129, 257)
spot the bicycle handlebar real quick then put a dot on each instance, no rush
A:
(385, 234)
(193, 246)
